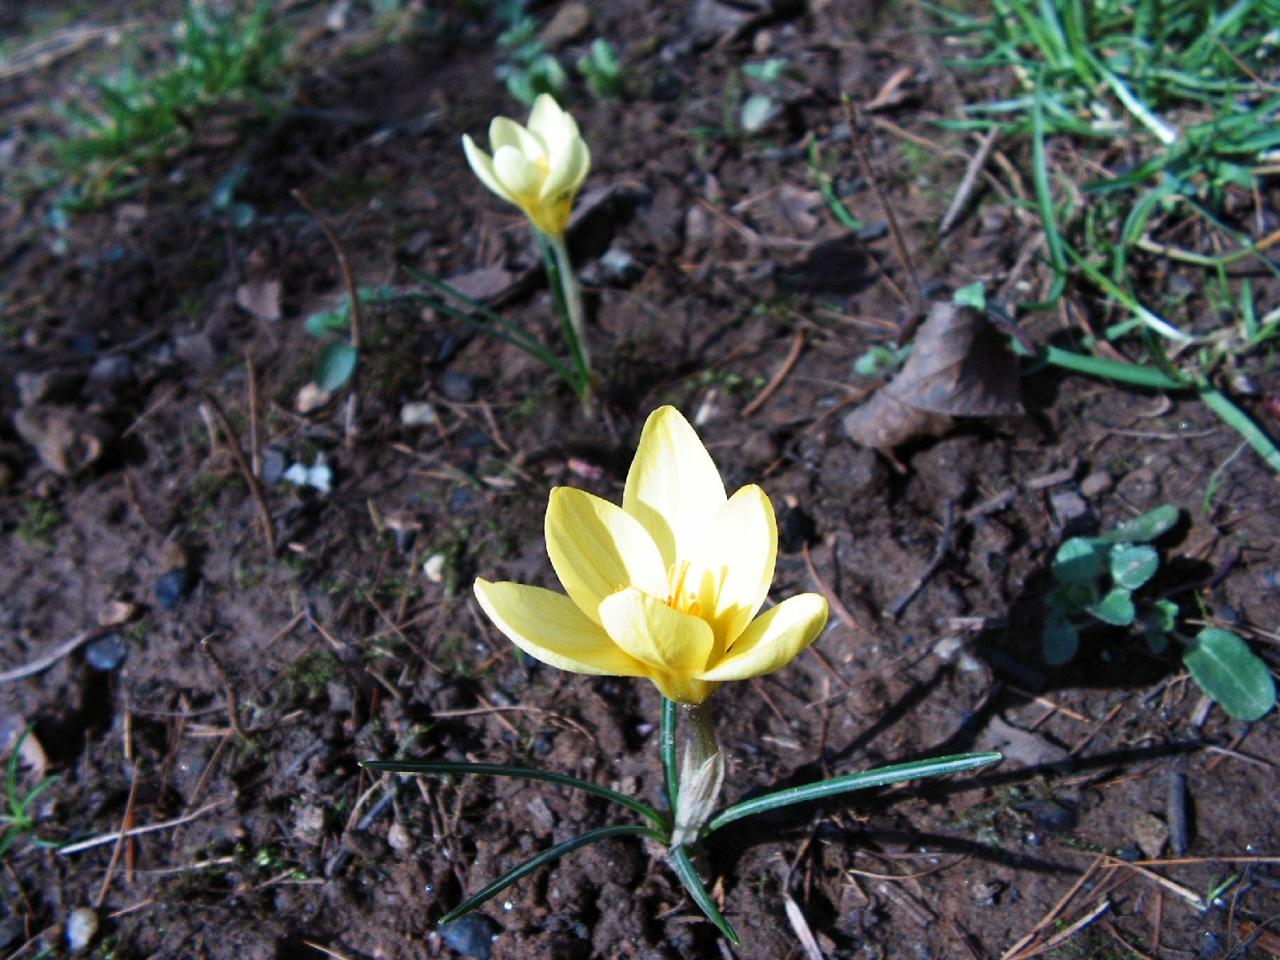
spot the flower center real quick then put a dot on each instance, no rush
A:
(679, 595)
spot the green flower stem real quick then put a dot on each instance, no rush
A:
(542, 859)
(524, 773)
(571, 290)
(667, 747)
(854, 781)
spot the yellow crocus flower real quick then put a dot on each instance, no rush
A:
(666, 586)
(538, 167)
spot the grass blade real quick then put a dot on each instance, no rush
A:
(520, 773)
(1243, 424)
(546, 856)
(693, 883)
(879, 777)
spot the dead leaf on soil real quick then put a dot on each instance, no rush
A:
(959, 367)
(260, 297)
(1022, 746)
(66, 440)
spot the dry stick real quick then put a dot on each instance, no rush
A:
(233, 702)
(970, 180)
(797, 344)
(255, 488)
(939, 552)
(254, 464)
(125, 823)
(1063, 936)
(345, 268)
(47, 660)
(106, 838)
(864, 165)
(1048, 919)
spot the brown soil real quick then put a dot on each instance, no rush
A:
(242, 711)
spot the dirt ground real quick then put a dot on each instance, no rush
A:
(255, 677)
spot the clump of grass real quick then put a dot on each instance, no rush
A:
(140, 115)
(1145, 120)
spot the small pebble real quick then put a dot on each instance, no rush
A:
(619, 266)
(433, 568)
(418, 414)
(107, 652)
(398, 838)
(172, 587)
(82, 927)
(471, 935)
(458, 387)
(1096, 484)
(272, 468)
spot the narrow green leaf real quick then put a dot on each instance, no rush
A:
(335, 365)
(545, 857)
(1060, 639)
(1132, 566)
(1116, 608)
(667, 748)
(1239, 421)
(1077, 561)
(1150, 526)
(684, 869)
(1118, 370)
(520, 773)
(865, 780)
(1231, 673)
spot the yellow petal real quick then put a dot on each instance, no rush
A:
(504, 132)
(772, 640)
(518, 174)
(734, 566)
(664, 638)
(482, 166)
(550, 123)
(567, 169)
(549, 627)
(596, 549)
(673, 487)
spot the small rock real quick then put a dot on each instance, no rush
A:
(271, 469)
(1069, 510)
(107, 652)
(418, 414)
(1152, 834)
(472, 935)
(433, 568)
(569, 23)
(196, 350)
(458, 387)
(260, 297)
(308, 823)
(117, 612)
(110, 372)
(619, 266)
(66, 440)
(398, 838)
(311, 398)
(173, 587)
(1096, 484)
(46, 386)
(82, 927)
(318, 477)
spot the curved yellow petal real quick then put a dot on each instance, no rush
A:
(518, 174)
(505, 132)
(772, 640)
(550, 123)
(734, 564)
(666, 639)
(567, 168)
(673, 486)
(549, 627)
(596, 549)
(482, 166)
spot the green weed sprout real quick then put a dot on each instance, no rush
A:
(139, 117)
(666, 587)
(19, 820)
(600, 68)
(1096, 580)
(529, 69)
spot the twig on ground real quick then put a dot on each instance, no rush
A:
(106, 838)
(237, 452)
(797, 344)
(969, 181)
(47, 660)
(353, 296)
(939, 552)
(125, 823)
